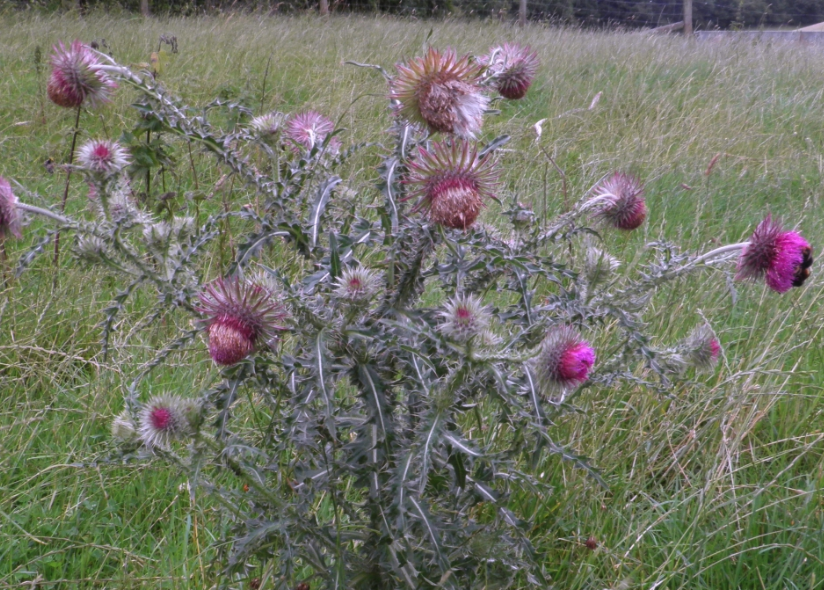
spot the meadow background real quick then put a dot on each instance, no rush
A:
(713, 485)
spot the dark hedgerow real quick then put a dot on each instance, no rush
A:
(408, 368)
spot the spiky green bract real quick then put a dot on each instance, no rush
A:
(358, 286)
(441, 92)
(240, 315)
(563, 361)
(9, 214)
(76, 78)
(464, 317)
(513, 67)
(166, 418)
(451, 182)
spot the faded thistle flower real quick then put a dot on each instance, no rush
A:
(358, 286)
(102, 158)
(451, 182)
(240, 315)
(513, 67)
(76, 79)
(441, 92)
(563, 362)
(166, 418)
(123, 429)
(619, 200)
(701, 348)
(783, 258)
(599, 266)
(9, 214)
(268, 125)
(464, 317)
(90, 249)
(309, 130)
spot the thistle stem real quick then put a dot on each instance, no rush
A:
(68, 180)
(713, 253)
(40, 211)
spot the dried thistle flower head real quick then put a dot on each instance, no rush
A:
(268, 125)
(76, 79)
(358, 285)
(563, 361)
(452, 182)
(620, 201)
(9, 214)
(701, 348)
(240, 315)
(441, 92)
(513, 67)
(599, 266)
(123, 429)
(463, 318)
(102, 159)
(90, 249)
(783, 258)
(309, 129)
(166, 418)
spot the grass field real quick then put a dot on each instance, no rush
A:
(718, 485)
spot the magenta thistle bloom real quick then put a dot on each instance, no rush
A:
(702, 348)
(784, 258)
(441, 92)
(452, 182)
(240, 315)
(563, 362)
(620, 201)
(166, 418)
(309, 130)
(463, 318)
(513, 67)
(102, 158)
(9, 215)
(358, 285)
(76, 79)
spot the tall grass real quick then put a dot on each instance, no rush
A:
(710, 487)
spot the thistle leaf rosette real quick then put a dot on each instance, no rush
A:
(76, 78)
(513, 68)
(782, 258)
(451, 182)
(441, 92)
(619, 201)
(9, 213)
(240, 315)
(563, 361)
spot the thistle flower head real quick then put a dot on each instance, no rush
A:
(76, 78)
(240, 315)
(309, 129)
(598, 266)
(464, 317)
(268, 125)
(620, 201)
(358, 285)
(563, 362)
(123, 429)
(451, 182)
(90, 249)
(9, 214)
(166, 418)
(441, 92)
(701, 348)
(102, 158)
(783, 258)
(513, 67)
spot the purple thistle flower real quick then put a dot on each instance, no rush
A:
(441, 92)
(358, 285)
(9, 215)
(702, 349)
(166, 418)
(784, 258)
(240, 314)
(102, 158)
(513, 67)
(563, 362)
(451, 182)
(464, 317)
(309, 130)
(620, 201)
(76, 79)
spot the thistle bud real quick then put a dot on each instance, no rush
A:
(463, 318)
(166, 418)
(357, 286)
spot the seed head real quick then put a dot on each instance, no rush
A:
(451, 182)
(309, 130)
(441, 92)
(702, 349)
(76, 78)
(563, 362)
(102, 159)
(358, 285)
(9, 214)
(620, 201)
(240, 315)
(464, 317)
(166, 418)
(783, 258)
(513, 67)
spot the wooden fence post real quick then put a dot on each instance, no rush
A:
(324, 7)
(522, 13)
(688, 18)
(144, 7)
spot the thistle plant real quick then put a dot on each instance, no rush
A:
(408, 359)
